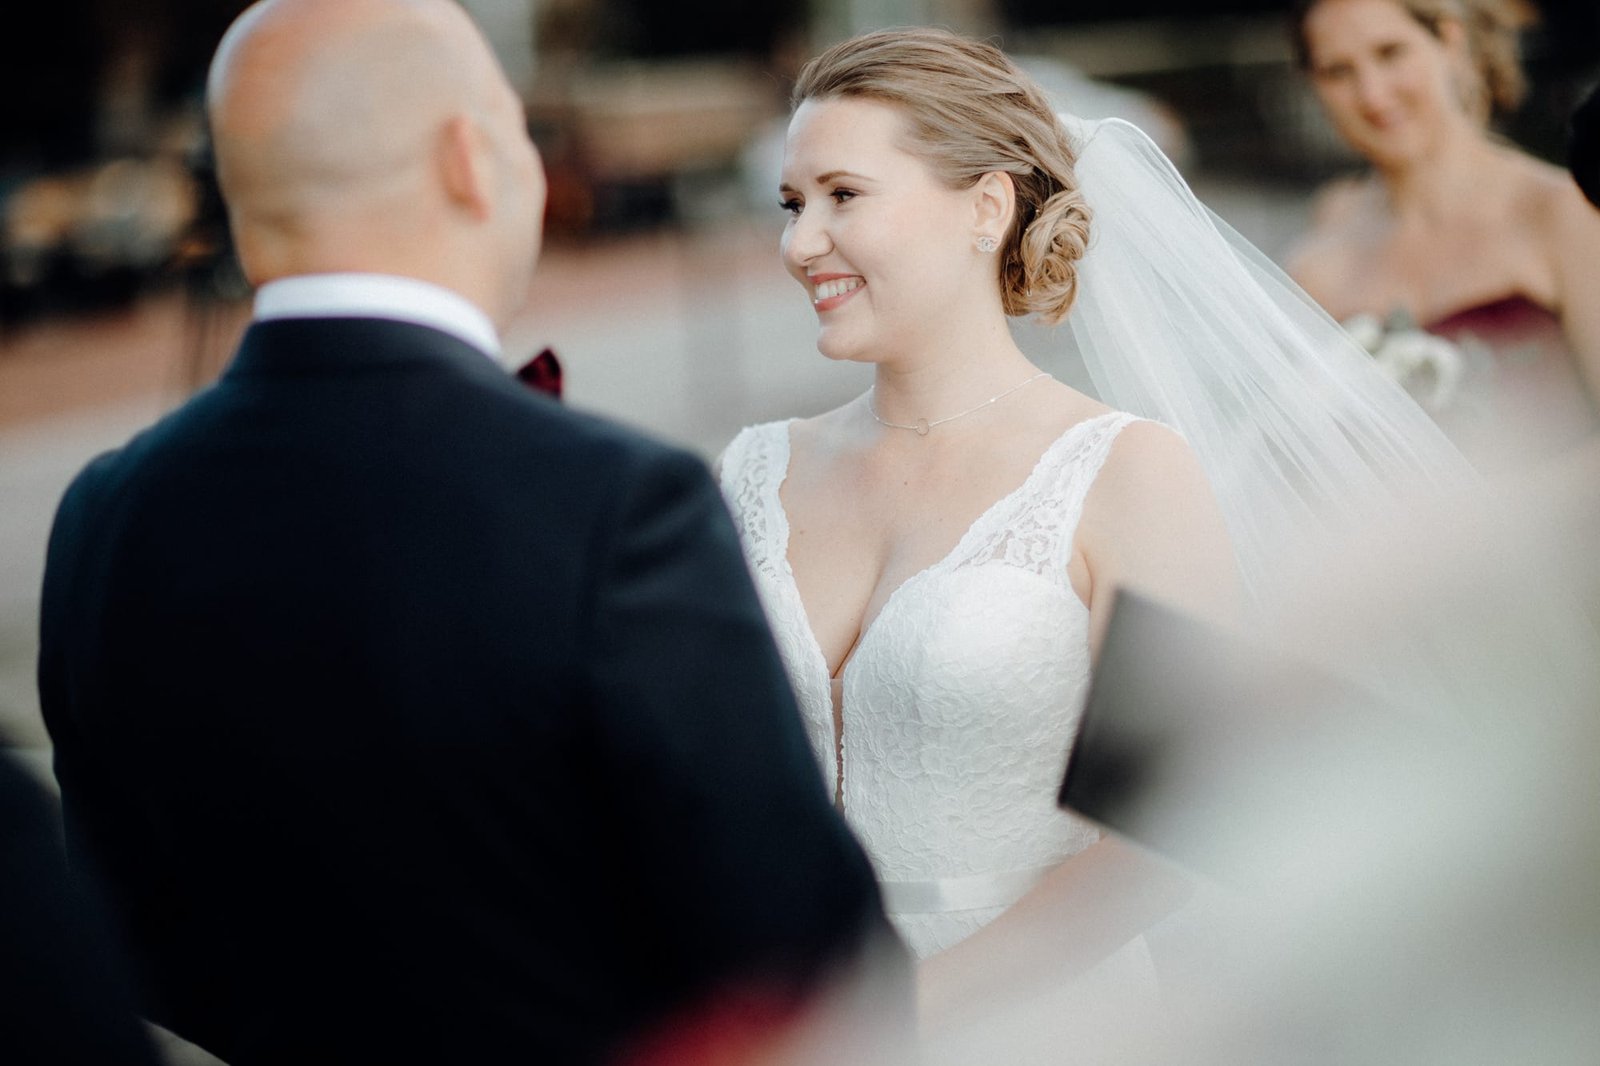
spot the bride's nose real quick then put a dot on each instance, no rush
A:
(804, 239)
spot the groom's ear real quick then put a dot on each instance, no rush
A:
(462, 156)
(994, 202)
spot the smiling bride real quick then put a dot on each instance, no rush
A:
(938, 557)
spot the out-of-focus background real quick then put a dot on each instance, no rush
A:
(660, 125)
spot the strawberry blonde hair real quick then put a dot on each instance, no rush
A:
(970, 111)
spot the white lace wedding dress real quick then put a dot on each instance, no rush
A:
(960, 700)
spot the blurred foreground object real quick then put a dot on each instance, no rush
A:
(1183, 722)
(1407, 868)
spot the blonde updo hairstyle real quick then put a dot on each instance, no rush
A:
(1492, 29)
(969, 112)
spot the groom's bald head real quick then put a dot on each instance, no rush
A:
(369, 135)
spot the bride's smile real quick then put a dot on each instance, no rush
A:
(831, 290)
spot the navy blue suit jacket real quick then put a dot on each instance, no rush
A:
(64, 993)
(412, 717)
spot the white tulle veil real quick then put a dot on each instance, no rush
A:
(1180, 319)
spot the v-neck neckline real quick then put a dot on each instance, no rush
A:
(866, 630)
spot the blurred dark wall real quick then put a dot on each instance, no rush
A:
(1228, 75)
(49, 78)
(652, 28)
(1565, 36)
(1056, 12)
(1577, 20)
(187, 32)
(57, 60)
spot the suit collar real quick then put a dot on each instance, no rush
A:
(310, 347)
(390, 296)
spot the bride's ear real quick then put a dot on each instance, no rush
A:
(994, 204)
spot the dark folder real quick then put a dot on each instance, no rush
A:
(1188, 728)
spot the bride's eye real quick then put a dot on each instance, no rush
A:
(791, 205)
(841, 195)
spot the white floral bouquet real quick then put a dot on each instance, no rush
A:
(1426, 366)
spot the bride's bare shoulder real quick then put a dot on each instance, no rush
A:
(1150, 456)
(1150, 480)
(826, 432)
(1151, 521)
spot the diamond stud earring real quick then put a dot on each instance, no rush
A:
(987, 243)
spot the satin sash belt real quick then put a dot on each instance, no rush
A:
(959, 893)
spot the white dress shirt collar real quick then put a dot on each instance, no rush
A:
(378, 296)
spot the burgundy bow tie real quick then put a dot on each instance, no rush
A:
(542, 373)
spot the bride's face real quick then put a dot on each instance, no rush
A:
(884, 249)
(1386, 82)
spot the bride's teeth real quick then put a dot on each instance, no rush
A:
(826, 290)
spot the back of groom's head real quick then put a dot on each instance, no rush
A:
(375, 136)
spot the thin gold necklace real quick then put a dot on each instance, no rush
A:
(921, 426)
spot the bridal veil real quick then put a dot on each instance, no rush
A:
(1180, 319)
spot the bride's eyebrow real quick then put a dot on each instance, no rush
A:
(827, 179)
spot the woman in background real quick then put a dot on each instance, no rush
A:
(1453, 229)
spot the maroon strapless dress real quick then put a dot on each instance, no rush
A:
(1520, 399)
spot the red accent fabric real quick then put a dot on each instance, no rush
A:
(734, 1030)
(1510, 319)
(542, 373)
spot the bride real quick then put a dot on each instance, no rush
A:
(938, 557)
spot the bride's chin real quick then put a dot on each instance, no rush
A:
(839, 353)
(843, 350)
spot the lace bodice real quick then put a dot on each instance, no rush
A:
(961, 698)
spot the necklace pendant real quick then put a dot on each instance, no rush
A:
(922, 427)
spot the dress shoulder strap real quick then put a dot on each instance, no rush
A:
(750, 472)
(1038, 532)
(1078, 472)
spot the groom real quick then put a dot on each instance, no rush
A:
(408, 716)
